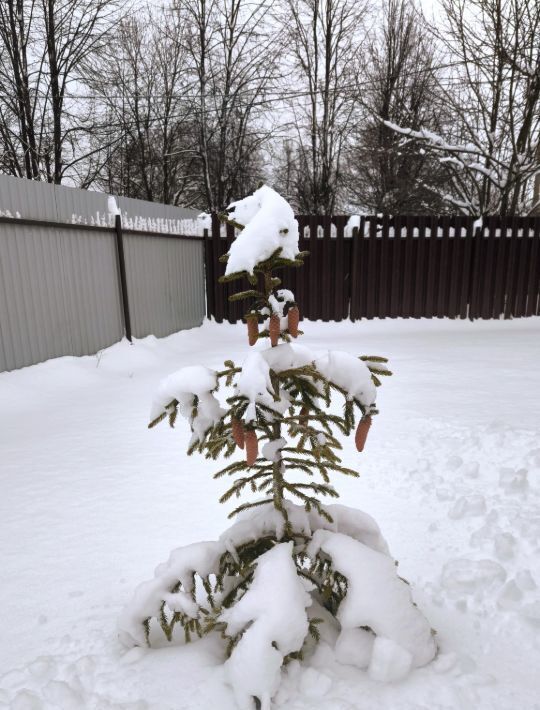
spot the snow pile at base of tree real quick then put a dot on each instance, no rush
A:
(272, 616)
(269, 224)
(376, 597)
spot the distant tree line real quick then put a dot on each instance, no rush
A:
(342, 105)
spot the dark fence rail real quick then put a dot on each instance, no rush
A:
(401, 267)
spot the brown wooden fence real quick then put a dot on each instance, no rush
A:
(401, 267)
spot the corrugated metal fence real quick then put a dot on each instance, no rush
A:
(401, 267)
(64, 286)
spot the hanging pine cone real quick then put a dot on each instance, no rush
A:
(303, 418)
(274, 329)
(237, 429)
(361, 432)
(252, 446)
(293, 318)
(253, 329)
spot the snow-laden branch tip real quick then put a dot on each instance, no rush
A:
(269, 224)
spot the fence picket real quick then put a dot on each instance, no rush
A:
(533, 278)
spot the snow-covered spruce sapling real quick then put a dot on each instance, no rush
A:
(290, 562)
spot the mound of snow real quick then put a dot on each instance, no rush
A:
(272, 616)
(269, 224)
(376, 596)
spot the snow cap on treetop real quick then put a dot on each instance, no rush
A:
(269, 224)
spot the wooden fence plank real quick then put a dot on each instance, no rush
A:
(327, 272)
(408, 274)
(370, 273)
(499, 275)
(511, 272)
(432, 254)
(341, 293)
(520, 297)
(468, 246)
(442, 275)
(422, 246)
(490, 244)
(478, 257)
(384, 269)
(533, 276)
(357, 280)
(219, 291)
(396, 271)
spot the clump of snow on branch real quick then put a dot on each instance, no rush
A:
(266, 520)
(272, 616)
(349, 373)
(201, 558)
(192, 388)
(377, 597)
(269, 224)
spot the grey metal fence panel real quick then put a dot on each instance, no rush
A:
(74, 205)
(59, 286)
(91, 287)
(142, 208)
(28, 198)
(59, 294)
(165, 283)
(40, 200)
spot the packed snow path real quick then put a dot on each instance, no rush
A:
(92, 501)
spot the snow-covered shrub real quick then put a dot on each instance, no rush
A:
(261, 583)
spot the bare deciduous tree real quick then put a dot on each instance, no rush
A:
(43, 45)
(490, 149)
(234, 60)
(325, 38)
(384, 172)
(142, 83)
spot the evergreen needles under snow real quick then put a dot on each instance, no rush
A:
(264, 582)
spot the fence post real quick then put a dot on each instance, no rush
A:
(122, 273)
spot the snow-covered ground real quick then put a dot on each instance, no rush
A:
(91, 501)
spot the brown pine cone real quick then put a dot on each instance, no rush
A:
(252, 446)
(293, 318)
(253, 329)
(274, 329)
(303, 418)
(237, 429)
(361, 432)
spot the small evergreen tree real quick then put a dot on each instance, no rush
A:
(290, 560)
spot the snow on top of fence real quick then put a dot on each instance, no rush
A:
(7, 213)
(159, 225)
